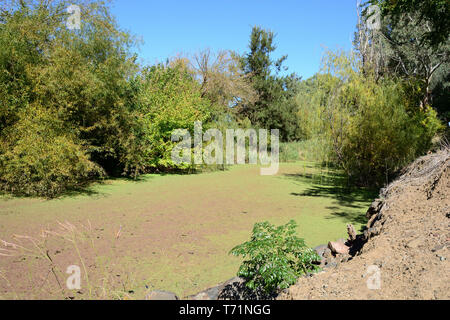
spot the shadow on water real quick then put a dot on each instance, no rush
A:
(91, 188)
(335, 185)
(82, 190)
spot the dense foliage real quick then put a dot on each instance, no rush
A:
(412, 42)
(168, 99)
(63, 95)
(76, 106)
(74, 103)
(274, 257)
(433, 14)
(42, 157)
(275, 107)
(370, 128)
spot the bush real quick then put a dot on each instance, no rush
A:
(276, 257)
(38, 159)
(369, 127)
(168, 98)
(80, 77)
(386, 130)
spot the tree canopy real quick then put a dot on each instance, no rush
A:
(75, 105)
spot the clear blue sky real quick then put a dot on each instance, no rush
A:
(303, 27)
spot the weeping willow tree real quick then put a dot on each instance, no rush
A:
(373, 127)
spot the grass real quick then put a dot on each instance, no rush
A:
(172, 232)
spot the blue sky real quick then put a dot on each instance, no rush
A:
(303, 27)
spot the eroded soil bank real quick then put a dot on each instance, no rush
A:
(408, 243)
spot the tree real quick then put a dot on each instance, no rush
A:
(373, 125)
(408, 43)
(434, 14)
(275, 107)
(222, 81)
(78, 77)
(168, 98)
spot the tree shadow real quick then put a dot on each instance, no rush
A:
(335, 185)
(88, 188)
(79, 191)
(84, 189)
(352, 217)
(140, 178)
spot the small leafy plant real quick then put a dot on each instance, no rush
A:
(275, 257)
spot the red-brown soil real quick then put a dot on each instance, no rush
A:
(411, 251)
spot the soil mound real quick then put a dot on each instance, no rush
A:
(404, 251)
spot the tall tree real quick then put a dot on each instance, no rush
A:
(435, 14)
(408, 43)
(222, 81)
(275, 107)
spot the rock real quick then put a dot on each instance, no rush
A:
(161, 295)
(233, 281)
(375, 231)
(371, 221)
(214, 292)
(236, 289)
(439, 248)
(344, 257)
(327, 253)
(351, 232)
(414, 243)
(366, 234)
(374, 208)
(331, 263)
(209, 294)
(200, 296)
(219, 291)
(338, 247)
(320, 249)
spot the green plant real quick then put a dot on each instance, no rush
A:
(64, 96)
(275, 106)
(169, 98)
(41, 157)
(369, 127)
(276, 257)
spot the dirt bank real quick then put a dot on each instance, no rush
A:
(408, 243)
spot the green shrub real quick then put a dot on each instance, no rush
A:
(386, 129)
(39, 158)
(276, 257)
(80, 77)
(168, 98)
(369, 127)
